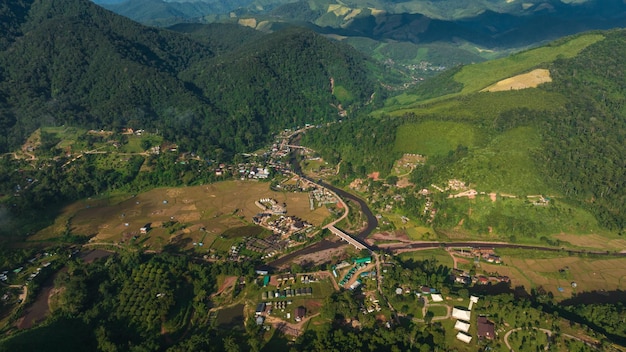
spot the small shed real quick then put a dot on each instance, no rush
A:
(260, 308)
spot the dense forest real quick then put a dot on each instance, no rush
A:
(82, 65)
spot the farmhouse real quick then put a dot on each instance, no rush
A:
(486, 329)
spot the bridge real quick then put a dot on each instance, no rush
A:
(344, 236)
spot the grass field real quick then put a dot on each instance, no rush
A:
(435, 137)
(216, 208)
(507, 164)
(518, 217)
(533, 269)
(440, 255)
(477, 106)
(479, 76)
(438, 311)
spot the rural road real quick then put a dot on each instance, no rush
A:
(546, 331)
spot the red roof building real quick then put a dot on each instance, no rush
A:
(486, 329)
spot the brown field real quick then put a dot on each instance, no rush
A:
(216, 207)
(590, 274)
(594, 241)
(527, 80)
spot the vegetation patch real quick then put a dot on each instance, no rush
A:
(434, 137)
(556, 272)
(507, 164)
(440, 255)
(243, 231)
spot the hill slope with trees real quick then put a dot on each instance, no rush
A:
(72, 62)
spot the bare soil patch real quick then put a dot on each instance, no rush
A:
(374, 176)
(526, 80)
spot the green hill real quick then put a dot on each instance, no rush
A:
(563, 138)
(72, 62)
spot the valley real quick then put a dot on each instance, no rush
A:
(312, 176)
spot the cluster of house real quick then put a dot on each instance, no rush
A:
(264, 309)
(287, 293)
(357, 263)
(485, 328)
(271, 206)
(463, 277)
(4, 276)
(284, 226)
(321, 196)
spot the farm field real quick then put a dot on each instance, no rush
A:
(214, 208)
(552, 271)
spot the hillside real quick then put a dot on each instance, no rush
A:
(563, 139)
(72, 62)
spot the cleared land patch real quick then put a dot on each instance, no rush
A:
(434, 137)
(526, 80)
(478, 106)
(476, 77)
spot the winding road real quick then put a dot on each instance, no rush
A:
(547, 332)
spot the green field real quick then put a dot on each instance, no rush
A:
(440, 255)
(507, 164)
(435, 137)
(515, 219)
(479, 76)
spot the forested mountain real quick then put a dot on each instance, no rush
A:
(72, 62)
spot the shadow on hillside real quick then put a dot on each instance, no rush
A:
(596, 297)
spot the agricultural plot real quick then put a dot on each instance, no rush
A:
(435, 137)
(177, 215)
(556, 272)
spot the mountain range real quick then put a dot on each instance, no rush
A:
(442, 33)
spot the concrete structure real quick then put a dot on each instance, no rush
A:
(436, 297)
(358, 245)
